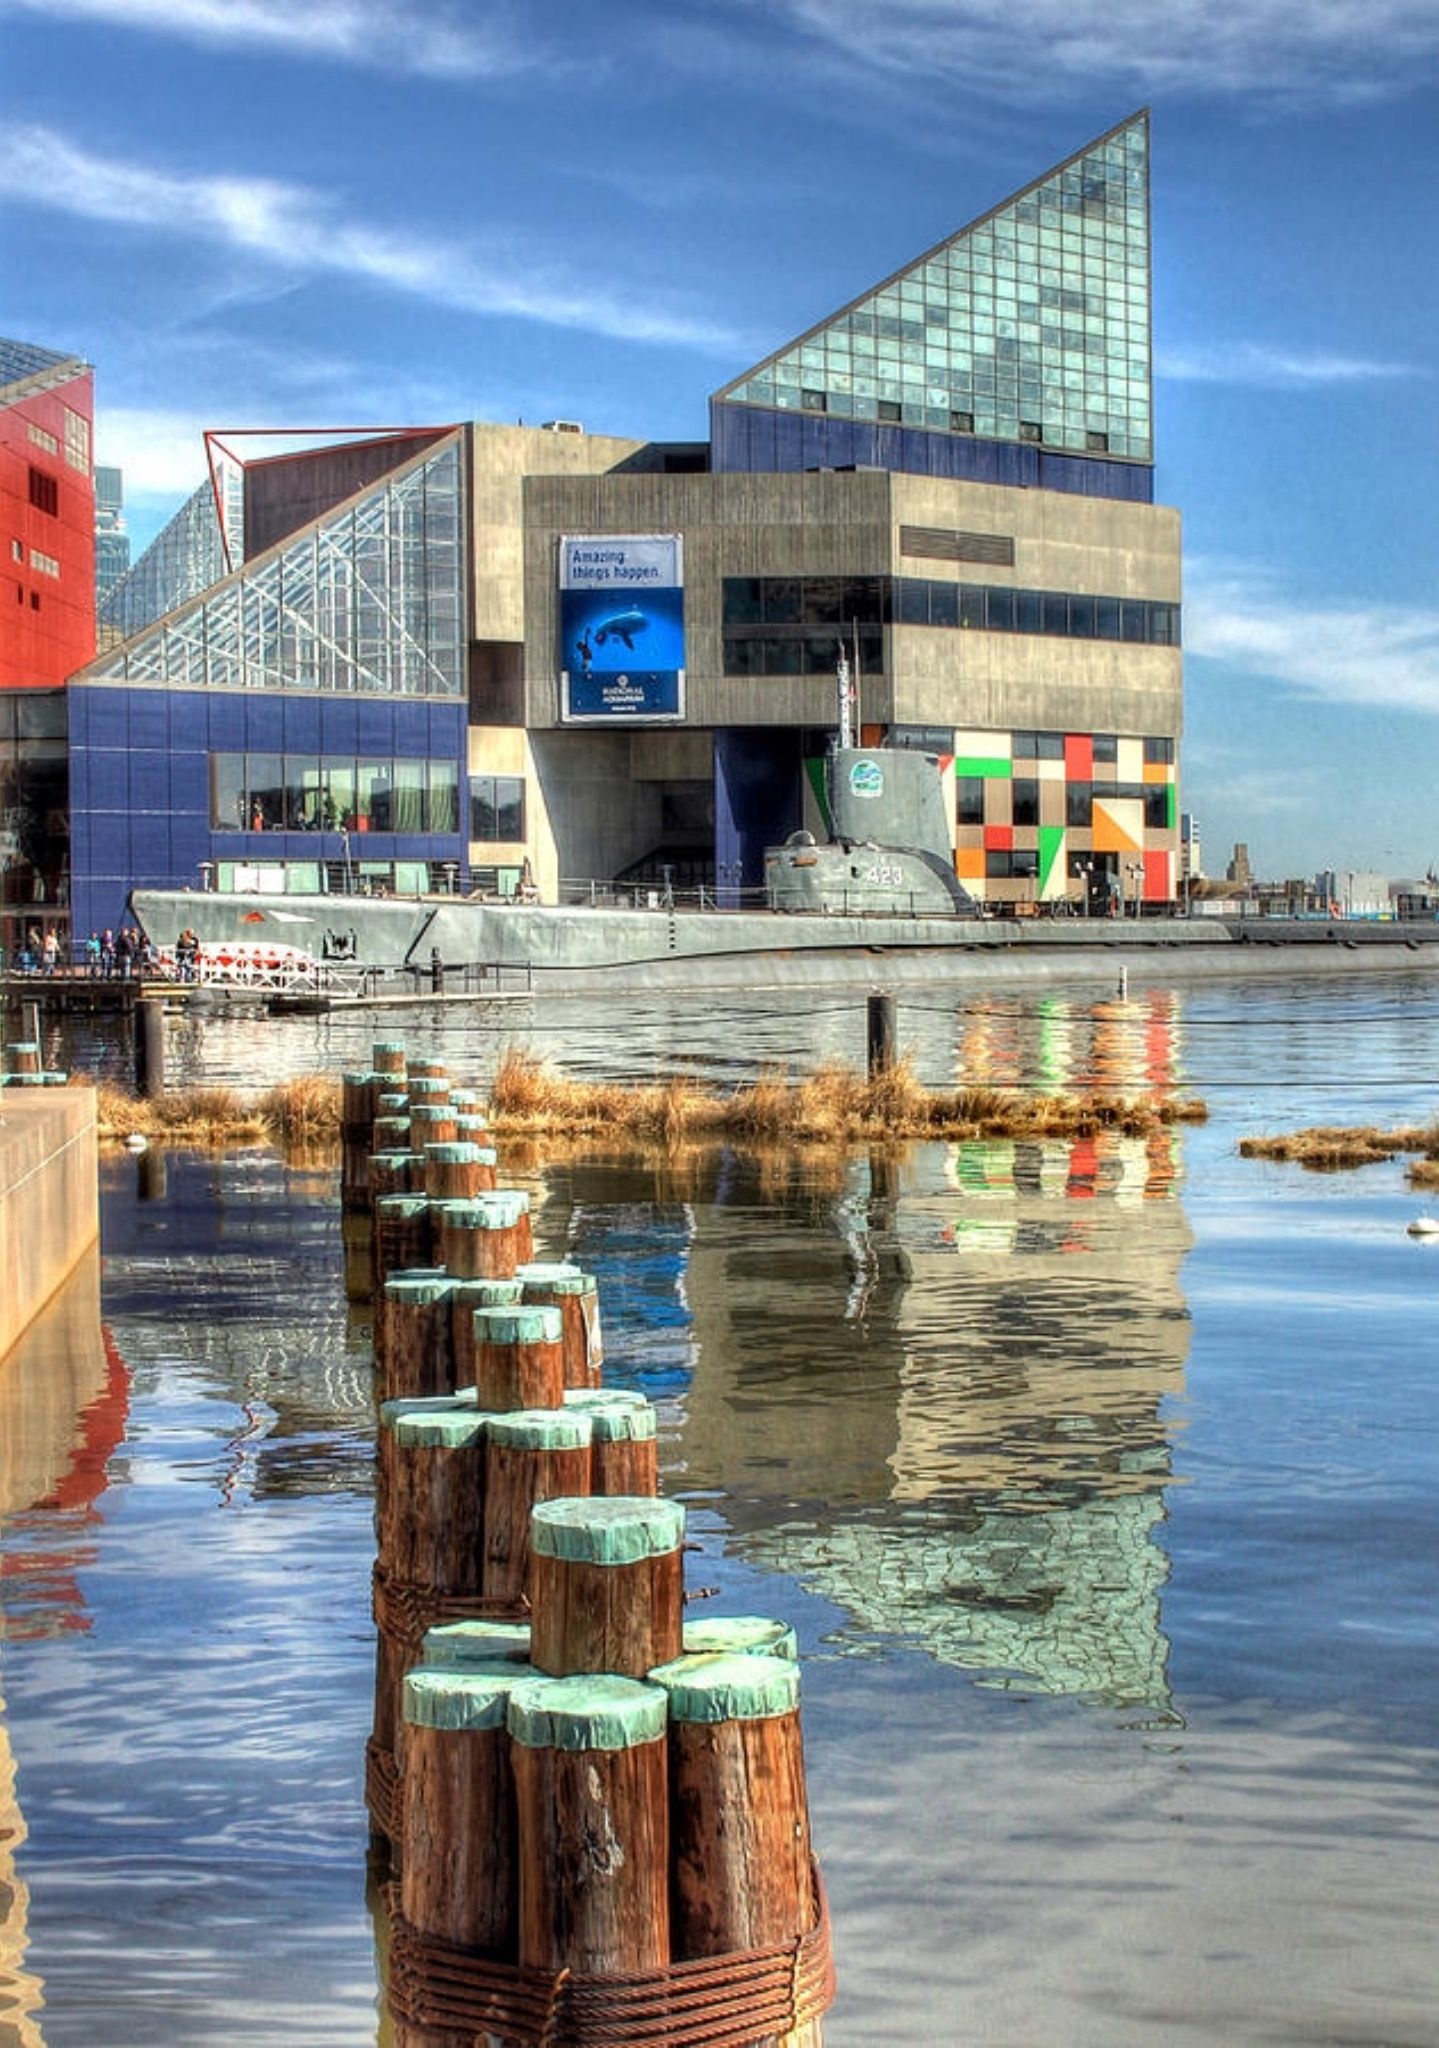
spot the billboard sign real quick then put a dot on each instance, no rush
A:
(622, 627)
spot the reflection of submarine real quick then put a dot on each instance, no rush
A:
(623, 626)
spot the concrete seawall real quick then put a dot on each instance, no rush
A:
(49, 1197)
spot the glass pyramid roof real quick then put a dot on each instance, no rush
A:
(1031, 324)
(20, 360)
(369, 598)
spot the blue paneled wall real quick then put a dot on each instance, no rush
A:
(140, 781)
(752, 440)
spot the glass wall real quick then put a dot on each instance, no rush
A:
(316, 793)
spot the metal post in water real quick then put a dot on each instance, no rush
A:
(881, 1033)
(1124, 984)
(149, 1048)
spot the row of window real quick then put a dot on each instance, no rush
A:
(806, 601)
(1079, 797)
(312, 793)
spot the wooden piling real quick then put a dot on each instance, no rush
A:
(576, 1296)
(463, 1644)
(387, 1056)
(457, 1815)
(396, 1173)
(25, 1056)
(532, 1456)
(431, 1123)
(592, 1803)
(150, 1048)
(402, 1236)
(881, 1034)
(429, 1536)
(486, 1239)
(458, 1172)
(751, 1635)
(465, 1298)
(519, 1358)
(624, 1451)
(606, 1585)
(416, 1353)
(740, 1868)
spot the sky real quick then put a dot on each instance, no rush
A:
(325, 213)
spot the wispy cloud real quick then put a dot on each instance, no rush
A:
(306, 232)
(1253, 363)
(1340, 51)
(434, 40)
(1371, 655)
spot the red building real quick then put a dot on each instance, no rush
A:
(47, 626)
(47, 516)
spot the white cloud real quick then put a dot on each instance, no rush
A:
(162, 453)
(430, 39)
(1368, 655)
(1253, 363)
(305, 232)
(1339, 50)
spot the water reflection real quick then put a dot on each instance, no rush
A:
(63, 1402)
(936, 1392)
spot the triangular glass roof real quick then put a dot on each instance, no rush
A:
(21, 360)
(367, 599)
(1031, 324)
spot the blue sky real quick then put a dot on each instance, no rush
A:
(336, 212)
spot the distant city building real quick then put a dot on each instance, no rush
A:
(185, 557)
(1191, 853)
(112, 540)
(1239, 871)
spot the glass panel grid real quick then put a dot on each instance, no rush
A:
(1054, 286)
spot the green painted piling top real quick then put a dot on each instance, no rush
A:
(541, 1429)
(425, 1404)
(458, 1429)
(429, 1088)
(393, 1101)
(430, 1113)
(498, 1211)
(728, 1688)
(487, 1293)
(614, 1529)
(380, 1047)
(466, 1120)
(603, 1397)
(465, 1098)
(422, 1288)
(358, 1077)
(557, 1278)
(19, 1045)
(743, 1634)
(464, 1701)
(516, 1324)
(612, 1425)
(578, 1714)
(451, 1153)
(399, 1207)
(462, 1644)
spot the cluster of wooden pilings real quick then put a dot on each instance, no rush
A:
(24, 1069)
(593, 1811)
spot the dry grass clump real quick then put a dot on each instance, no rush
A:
(1330, 1148)
(303, 1113)
(831, 1106)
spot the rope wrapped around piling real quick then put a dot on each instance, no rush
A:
(405, 1610)
(714, 2002)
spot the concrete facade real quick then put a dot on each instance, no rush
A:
(49, 1197)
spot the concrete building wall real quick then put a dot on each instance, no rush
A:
(49, 1197)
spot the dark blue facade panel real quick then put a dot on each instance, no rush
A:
(747, 439)
(758, 802)
(140, 781)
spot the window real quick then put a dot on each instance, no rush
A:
(497, 807)
(813, 401)
(17, 550)
(1030, 430)
(44, 492)
(961, 422)
(42, 439)
(1106, 746)
(969, 799)
(889, 410)
(1096, 444)
(77, 441)
(46, 564)
(1079, 804)
(1159, 750)
(1024, 794)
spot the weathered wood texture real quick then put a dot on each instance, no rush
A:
(515, 1479)
(593, 1858)
(625, 1618)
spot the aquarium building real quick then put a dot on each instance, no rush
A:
(481, 657)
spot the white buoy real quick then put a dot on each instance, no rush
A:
(138, 1142)
(1424, 1226)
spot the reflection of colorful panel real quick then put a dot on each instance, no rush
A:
(1118, 824)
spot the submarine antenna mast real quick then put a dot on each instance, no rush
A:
(846, 701)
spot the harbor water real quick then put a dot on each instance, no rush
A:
(1098, 1478)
